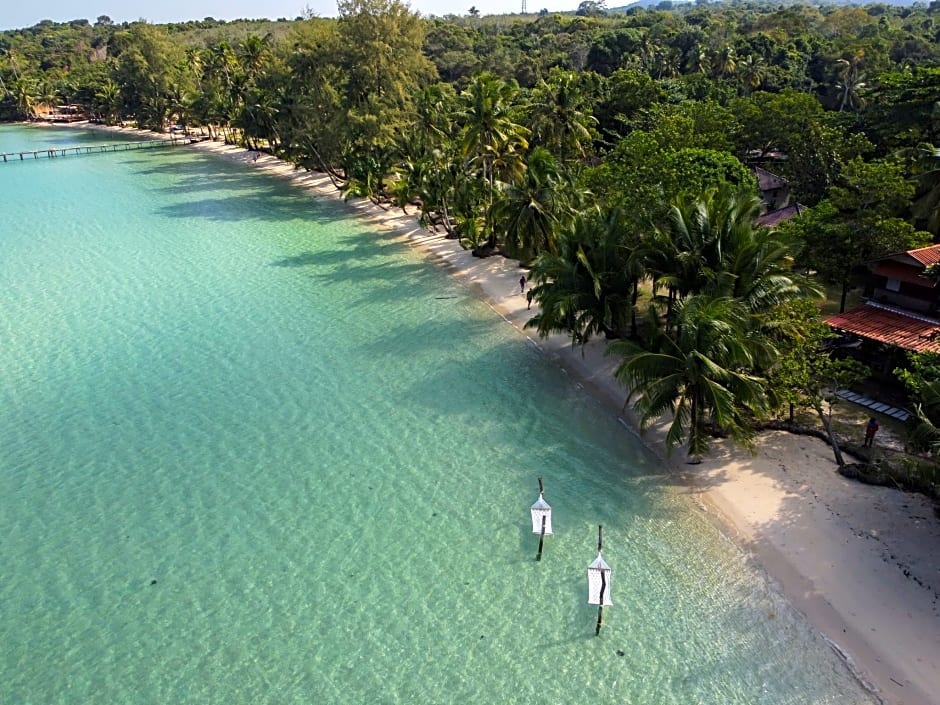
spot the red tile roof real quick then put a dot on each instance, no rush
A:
(926, 255)
(902, 272)
(891, 326)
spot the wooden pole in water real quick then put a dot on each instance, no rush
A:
(600, 606)
(538, 556)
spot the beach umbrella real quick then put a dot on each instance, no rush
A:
(599, 582)
(541, 519)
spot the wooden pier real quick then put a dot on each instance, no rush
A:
(93, 149)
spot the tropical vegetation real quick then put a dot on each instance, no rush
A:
(612, 153)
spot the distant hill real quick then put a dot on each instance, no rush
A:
(646, 4)
(669, 4)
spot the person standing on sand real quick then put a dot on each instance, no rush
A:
(870, 431)
(522, 284)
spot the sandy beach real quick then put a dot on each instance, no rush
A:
(862, 563)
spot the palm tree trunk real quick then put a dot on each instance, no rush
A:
(695, 428)
(635, 298)
(445, 219)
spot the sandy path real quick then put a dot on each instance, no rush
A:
(862, 563)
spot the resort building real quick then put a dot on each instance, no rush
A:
(900, 313)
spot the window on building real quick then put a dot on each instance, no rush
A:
(893, 285)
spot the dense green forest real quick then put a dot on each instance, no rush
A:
(611, 153)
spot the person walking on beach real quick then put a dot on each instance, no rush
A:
(870, 431)
(522, 284)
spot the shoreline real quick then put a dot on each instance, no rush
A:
(861, 563)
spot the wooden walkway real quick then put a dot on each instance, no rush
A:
(873, 404)
(93, 149)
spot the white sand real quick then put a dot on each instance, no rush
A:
(862, 563)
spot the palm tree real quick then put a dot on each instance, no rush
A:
(490, 130)
(252, 56)
(196, 64)
(25, 95)
(427, 155)
(435, 106)
(752, 71)
(588, 287)
(108, 101)
(850, 83)
(684, 255)
(222, 64)
(650, 47)
(725, 61)
(153, 111)
(667, 63)
(533, 207)
(711, 244)
(179, 102)
(258, 118)
(701, 372)
(222, 94)
(757, 264)
(698, 59)
(48, 96)
(559, 118)
(492, 139)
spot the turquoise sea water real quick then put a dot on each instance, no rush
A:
(252, 452)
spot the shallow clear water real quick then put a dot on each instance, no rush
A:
(252, 452)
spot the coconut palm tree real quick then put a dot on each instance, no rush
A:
(559, 119)
(698, 59)
(684, 255)
(588, 287)
(252, 55)
(108, 101)
(752, 70)
(648, 51)
(428, 155)
(258, 117)
(222, 86)
(757, 263)
(533, 207)
(667, 63)
(850, 83)
(725, 61)
(25, 94)
(492, 140)
(48, 96)
(699, 373)
(490, 129)
(711, 244)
